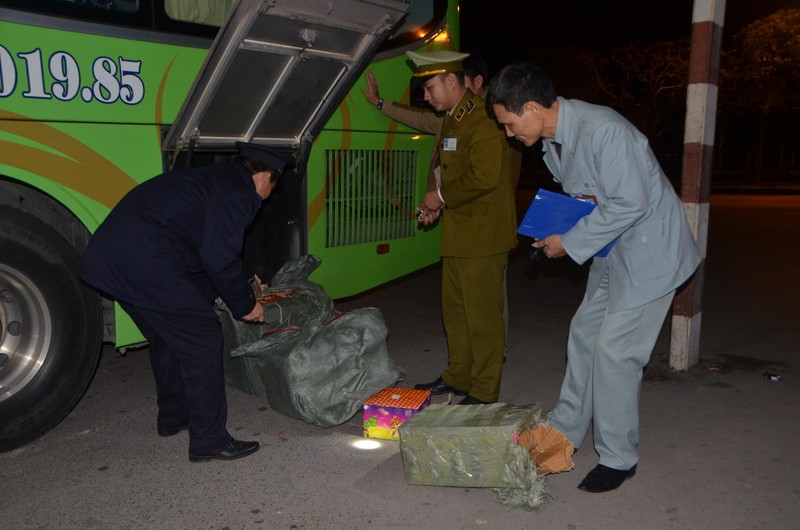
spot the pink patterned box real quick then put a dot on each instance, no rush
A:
(390, 407)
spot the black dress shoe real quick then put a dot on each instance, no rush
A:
(171, 431)
(603, 478)
(470, 400)
(235, 449)
(439, 387)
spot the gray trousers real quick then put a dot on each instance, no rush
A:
(606, 353)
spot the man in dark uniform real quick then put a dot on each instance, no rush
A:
(165, 252)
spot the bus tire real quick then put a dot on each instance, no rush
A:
(51, 328)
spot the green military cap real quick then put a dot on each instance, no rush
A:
(436, 62)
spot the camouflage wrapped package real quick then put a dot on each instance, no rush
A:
(310, 361)
(473, 446)
(301, 301)
(307, 302)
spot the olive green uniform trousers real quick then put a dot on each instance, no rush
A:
(472, 309)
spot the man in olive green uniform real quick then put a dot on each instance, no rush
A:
(429, 121)
(478, 229)
(476, 77)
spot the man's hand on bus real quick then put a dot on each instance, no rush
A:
(256, 315)
(372, 94)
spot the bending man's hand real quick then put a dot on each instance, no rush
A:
(371, 93)
(256, 315)
(551, 245)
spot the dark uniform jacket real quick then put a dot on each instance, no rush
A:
(173, 243)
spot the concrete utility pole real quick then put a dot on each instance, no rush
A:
(698, 146)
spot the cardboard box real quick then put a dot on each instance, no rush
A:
(388, 409)
(469, 446)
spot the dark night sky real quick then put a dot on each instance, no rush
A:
(504, 31)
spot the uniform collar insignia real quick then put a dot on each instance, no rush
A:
(470, 106)
(460, 113)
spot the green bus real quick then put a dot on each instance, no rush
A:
(99, 95)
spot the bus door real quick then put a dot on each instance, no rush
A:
(275, 74)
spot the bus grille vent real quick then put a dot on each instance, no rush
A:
(369, 196)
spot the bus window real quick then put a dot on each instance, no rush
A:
(423, 21)
(125, 6)
(131, 13)
(426, 21)
(205, 12)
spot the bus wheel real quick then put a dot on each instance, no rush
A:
(51, 333)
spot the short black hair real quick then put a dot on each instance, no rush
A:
(254, 166)
(517, 84)
(475, 66)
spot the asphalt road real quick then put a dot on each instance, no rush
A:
(718, 443)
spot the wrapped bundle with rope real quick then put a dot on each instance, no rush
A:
(310, 361)
(506, 448)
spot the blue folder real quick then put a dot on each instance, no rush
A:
(553, 213)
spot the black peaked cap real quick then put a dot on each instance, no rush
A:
(269, 157)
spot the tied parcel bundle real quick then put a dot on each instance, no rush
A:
(309, 360)
(507, 448)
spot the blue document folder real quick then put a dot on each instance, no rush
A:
(553, 213)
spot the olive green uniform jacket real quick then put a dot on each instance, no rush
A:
(429, 121)
(480, 217)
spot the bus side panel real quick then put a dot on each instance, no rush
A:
(58, 75)
(87, 167)
(80, 116)
(366, 176)
(362, 204)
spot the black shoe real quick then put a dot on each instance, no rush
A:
(171, 431)
(603, 478)
(235, 449)
(469, 400)
(439, 387)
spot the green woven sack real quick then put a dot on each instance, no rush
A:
(473, 446)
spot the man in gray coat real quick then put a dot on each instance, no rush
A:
(599, 156)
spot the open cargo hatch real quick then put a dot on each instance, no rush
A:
(278, 69)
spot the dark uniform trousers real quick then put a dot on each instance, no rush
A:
(186, 356)
(473, 295)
